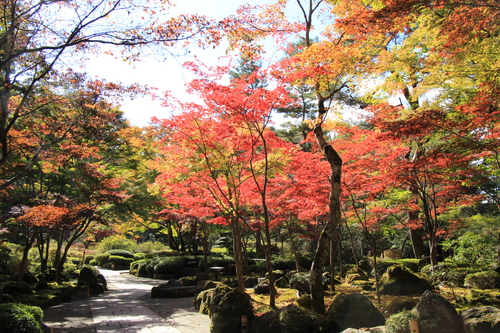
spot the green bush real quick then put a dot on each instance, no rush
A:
(89, 258)
(120, 261)
(116, 242)
(139, 256)
(150, 247)
(218, 260)
(169, 265)
(400, 322)
(121, 253)
(162, 254)
(20, 318)
(70, 271)
(283, 263)
(483, 280)
(136, 266)
(102, 259)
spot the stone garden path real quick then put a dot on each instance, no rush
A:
(127, 308)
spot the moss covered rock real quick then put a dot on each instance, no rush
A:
(353, 311)
(483, 280)
(400, 280)
(401, 303)
(227, 309)
(483, 319)
(290, 319)
(204, 297)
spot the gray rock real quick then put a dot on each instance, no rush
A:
(164, 291)
(261, 289)
(437, 315)
(251, 282)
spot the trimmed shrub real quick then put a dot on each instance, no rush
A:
(20, 318)
(483, 280)
(89, 258)
(139, 256)
(218, 260)
(121, 253)
(118, 261)
(169, 265)
(162, 254)
(101, 259)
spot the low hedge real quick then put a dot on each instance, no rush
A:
(100, 259)
(119, 261)
(217, 260)
(169, 265)
(121, 253)
(20, 318)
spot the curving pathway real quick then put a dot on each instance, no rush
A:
(127, 308)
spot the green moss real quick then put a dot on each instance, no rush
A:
(400, 322)
(483, 280)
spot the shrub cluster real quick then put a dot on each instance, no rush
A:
(20, 318)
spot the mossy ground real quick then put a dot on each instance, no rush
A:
(461, 298)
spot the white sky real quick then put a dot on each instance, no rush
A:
(167, 75)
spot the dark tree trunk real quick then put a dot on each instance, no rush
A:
(293, 247)
(238, 254)
(417, 242)
(322, 253)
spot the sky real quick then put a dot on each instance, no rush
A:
(164, 75)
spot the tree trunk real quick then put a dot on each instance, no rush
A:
(294, 249)
(322, 253)
(238, 254)
(332, 265)
(498, 249)
(356, 260)
(374, 253)
(24, 260)
(417, 242)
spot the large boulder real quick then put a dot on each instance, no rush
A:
(437, 315)
(482, 319)
(353, 311)
(261, 289)
(392, 254)
(227, 309)
(401, 303)
(203, 299)
(290, 319)
(483, 280)
(89, 276)
(172, 289)
(207, 284)
(400, 280)
(378, 329)
(251, 282)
